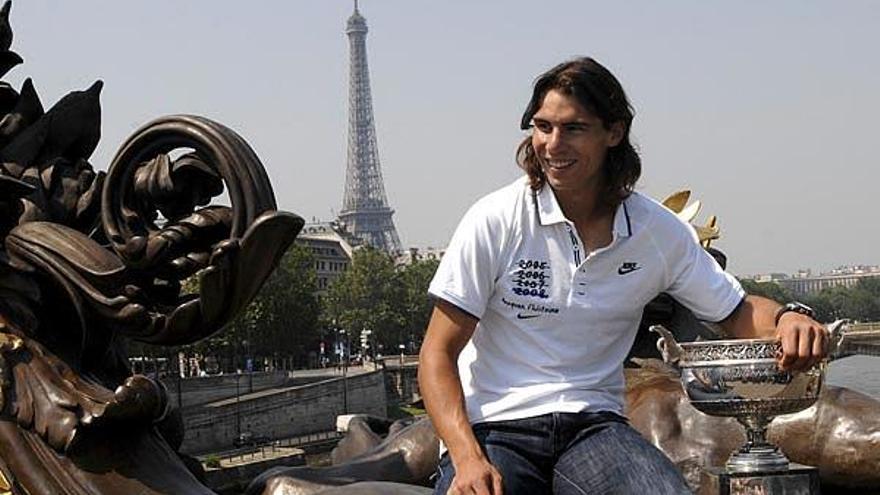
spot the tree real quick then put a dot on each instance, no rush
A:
(390, 301)
(770, 290)
(366, 297)
(823, 305)
(416, 304)
(861, 302)
(289, 299)
(280, 324)
(870, 285)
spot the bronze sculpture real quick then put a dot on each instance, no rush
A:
(405, 460)
(89, 258)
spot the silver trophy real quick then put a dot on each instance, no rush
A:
(740, 379)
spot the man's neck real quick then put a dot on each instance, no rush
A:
(582, 206)
(592, 217)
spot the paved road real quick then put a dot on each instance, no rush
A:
(312, 376)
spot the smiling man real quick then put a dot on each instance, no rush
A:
(539, 297)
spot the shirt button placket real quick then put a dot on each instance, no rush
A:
(580, 281)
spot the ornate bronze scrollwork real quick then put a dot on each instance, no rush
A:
(90, 258)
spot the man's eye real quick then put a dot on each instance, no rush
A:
(544, 127)
(576, 128)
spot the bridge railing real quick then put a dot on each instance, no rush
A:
(868, 326)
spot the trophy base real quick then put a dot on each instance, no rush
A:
(797, 480)
(761, 459)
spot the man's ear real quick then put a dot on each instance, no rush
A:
(615, 134)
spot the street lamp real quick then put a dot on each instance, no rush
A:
(237, 405)
(344, 355)
(366, 346)
(248, 362)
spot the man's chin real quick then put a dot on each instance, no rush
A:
(559, 184)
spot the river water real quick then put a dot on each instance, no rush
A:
(860, 373)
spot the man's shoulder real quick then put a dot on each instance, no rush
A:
(508, 193)
(503, 202)
(655, 219)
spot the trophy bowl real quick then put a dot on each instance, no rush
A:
(741, 379)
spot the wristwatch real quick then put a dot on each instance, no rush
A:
(794, 307)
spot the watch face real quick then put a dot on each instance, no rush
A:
(794, 307)
(800, 308)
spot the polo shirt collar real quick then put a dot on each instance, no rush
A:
(549, 212)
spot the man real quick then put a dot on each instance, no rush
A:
(539, 297)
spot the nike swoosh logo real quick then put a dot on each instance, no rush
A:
(627, 269)
(526, 316)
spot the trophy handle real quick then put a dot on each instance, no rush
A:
(667, 345)
(848, 339)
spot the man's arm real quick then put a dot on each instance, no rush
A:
(448, 332)
(804, 340)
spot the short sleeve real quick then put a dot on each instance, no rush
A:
(468, 270)
(698, 282)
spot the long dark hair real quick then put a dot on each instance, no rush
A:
(600, 93)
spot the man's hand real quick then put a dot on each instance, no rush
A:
(476, 477)
(804, 341)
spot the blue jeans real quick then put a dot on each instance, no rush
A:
(572, 453)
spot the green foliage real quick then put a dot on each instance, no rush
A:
(374, 294)
(403, 412)
(823, 306)
(861, 302)
(363, 298)
(770, 290)
(416, 304)
(285, 322)
(212, 461)
(280, 323)
(870, 285)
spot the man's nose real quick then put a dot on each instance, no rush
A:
(554, 138)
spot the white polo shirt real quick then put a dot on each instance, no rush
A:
(556, 322)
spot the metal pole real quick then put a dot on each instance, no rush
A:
(345, 350)
(237, 406)
(179, 379)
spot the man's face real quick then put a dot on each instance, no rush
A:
(571, 143)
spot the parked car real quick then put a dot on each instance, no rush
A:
(248, 439)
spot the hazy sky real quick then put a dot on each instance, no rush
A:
(766, 110)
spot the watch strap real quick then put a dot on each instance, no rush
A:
(793, 307)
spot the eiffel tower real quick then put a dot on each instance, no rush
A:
(365, 212)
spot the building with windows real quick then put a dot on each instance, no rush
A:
(416, 254)
(804, 282)
(332, 249)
